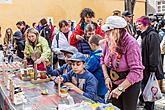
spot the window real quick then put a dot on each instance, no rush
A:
(158, 3)
(160, 6)
(163, 2)
(163, 7)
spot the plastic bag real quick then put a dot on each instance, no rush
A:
(152, 91)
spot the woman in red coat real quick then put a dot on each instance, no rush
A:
(86, 18)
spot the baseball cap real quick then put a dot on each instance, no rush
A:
(127, 13)
(113, 22)
(69, 49)
(78, 57)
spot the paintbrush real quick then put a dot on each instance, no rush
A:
(59, 84)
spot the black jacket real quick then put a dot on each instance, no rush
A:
(46, 33)
(151, 56)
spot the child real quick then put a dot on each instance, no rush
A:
(83, 45)
(79, 79)
(68, 52)
(93, 65)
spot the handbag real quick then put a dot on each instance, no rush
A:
(152, 91)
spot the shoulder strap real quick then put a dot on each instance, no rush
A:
(57, 39)
(44, 33)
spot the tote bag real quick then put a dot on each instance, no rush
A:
(152, 91)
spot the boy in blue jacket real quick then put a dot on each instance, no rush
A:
(80, 79)
(93, 65)
(68, 52)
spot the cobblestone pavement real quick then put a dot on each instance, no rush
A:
(160, 104)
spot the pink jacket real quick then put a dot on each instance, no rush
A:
(131, 59)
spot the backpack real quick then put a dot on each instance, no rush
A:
(46, 33)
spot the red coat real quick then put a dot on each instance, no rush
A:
(79, 31)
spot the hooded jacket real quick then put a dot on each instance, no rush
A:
(94, 66)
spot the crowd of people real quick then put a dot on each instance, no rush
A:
(101, 61)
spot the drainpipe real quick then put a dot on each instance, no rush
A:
(146, 5)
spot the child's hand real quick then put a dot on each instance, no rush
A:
(47, 62)
(40, 60)
(73, 87)
(69, 84)
(59, 79)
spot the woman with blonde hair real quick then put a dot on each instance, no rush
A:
(122, 64)
(8, 36)
(36, 48)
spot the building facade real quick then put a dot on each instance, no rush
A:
(155, 6)
(31, 11)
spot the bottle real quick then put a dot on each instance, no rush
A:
(70, 99)
(107, 97)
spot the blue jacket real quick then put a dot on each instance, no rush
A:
(63, 69)
(94, 66)
(161, 34)
(86, 82)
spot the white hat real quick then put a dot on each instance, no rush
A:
(113, 22)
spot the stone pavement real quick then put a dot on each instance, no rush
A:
(160, 104)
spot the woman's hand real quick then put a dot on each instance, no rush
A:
(115, 93)
(108, 83)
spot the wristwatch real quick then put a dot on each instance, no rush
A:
(121, 88)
